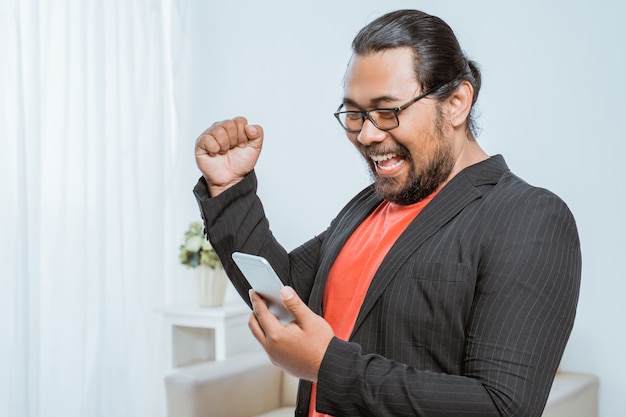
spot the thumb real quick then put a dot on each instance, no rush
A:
(293, 303)
(254, 131)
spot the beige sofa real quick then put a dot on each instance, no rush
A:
(248, 385)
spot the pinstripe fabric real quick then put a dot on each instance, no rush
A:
(468, 315)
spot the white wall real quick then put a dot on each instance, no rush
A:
(552, 104)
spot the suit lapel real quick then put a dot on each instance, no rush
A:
(451, 200)
(461, 191)
(342, 228)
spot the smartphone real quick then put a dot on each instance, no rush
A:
(264, 281)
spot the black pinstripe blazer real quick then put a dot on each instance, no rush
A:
(468, 315)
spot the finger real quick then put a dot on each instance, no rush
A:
(294, 304)
(231, 131)
(207, 144)
(256, 328)
(213, 141)
(241, 139)
(254, 132)
(223, 135)
(259, 307)
(267, 320)
(235, 130)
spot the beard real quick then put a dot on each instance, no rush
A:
(422, 181)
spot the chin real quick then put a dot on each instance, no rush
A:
(389, 189)
(409, 191)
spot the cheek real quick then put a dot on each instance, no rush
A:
(424, 139)
(416, 142)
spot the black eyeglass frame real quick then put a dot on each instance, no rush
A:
(394, 110)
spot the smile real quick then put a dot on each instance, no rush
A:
(387, 162)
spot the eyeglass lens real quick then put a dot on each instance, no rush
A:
(382, 119)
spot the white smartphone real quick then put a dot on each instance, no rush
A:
(264, 281)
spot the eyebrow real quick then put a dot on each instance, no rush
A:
(373, 103)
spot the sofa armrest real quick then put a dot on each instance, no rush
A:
(239, 386)
(572, 395)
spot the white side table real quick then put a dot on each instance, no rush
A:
(196, 334)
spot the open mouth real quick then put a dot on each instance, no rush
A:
(387, 162)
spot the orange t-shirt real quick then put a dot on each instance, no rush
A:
(351, 274)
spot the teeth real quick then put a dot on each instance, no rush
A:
(383, 168)
(380, 158)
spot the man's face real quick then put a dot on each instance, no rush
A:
(411, 161)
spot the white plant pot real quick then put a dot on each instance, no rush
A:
(211, 285)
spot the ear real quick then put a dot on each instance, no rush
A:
(460, 104)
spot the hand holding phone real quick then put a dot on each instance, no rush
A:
(264, 281)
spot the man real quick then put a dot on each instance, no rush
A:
(447, 288)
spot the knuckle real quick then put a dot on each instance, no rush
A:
(273, 337)
(254, 318)
(219, 130)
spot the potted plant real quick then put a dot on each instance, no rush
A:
(196, 252)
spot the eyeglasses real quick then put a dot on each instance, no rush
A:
(383, 119)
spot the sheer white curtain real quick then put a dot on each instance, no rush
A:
(87, 170)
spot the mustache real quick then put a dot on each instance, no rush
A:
(380, 149)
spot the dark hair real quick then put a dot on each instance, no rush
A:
(439, 59)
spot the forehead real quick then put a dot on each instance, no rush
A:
(386, 73)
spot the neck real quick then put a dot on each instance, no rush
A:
(468, 153)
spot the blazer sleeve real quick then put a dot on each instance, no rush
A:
(528, 278)
(235, 221)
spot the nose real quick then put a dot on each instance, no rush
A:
(370, 134)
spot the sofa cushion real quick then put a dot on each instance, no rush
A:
(281, 412)
(246, 385)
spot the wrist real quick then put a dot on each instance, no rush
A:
(217, 189)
